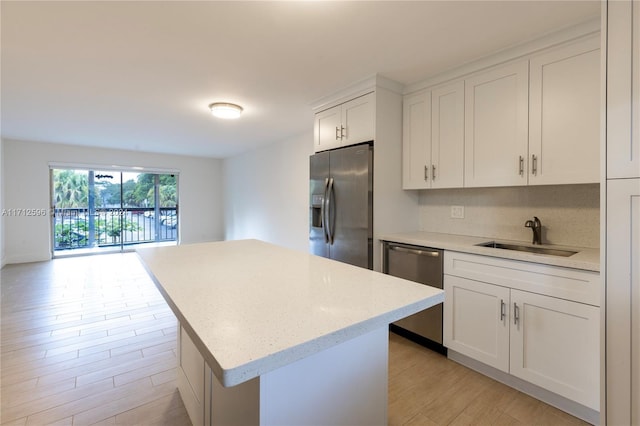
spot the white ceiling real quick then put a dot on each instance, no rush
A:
(139, 75)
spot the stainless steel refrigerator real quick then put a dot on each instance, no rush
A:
(341, 205)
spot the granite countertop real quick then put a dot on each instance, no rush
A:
(252, 307)
(586, 258)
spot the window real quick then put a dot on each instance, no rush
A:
(97, 210)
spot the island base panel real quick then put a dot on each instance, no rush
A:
(344, 384)
(236, 405)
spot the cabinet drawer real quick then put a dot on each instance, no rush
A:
(565, 283)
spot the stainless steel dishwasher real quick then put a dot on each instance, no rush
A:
(423, 265)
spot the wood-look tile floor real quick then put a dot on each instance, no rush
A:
(427, 389)
(89, 340)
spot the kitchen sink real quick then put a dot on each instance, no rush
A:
(528, 249)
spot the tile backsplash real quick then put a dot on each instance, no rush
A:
(570, 214)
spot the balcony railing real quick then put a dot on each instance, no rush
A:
(76, 228)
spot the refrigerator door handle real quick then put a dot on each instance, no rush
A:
(329, 211)
(323, 211)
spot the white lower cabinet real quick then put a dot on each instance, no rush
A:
(548, 341)
(555, 345)
(191, 377)
(474, 323)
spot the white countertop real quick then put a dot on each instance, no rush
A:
(585, 258)
(251, 307)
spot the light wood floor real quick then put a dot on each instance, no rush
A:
(427, 389)
(89, 340)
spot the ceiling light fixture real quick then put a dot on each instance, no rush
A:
(225, 110)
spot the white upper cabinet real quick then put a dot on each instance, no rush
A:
(358, 120)
(346, 124)
(623, 89)
(564, 114)
(496, 118)
(416, 140)
(531, 121)
(327, 129)
(447, 136)
(433, 138)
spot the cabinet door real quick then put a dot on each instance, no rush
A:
(476, 320)
(564, 114)
(555, 344)
(327, 128)
(496, 126)
(416, 140)
(358, 120)
(191, 377)
(623, 89)
(623, 301)
(447, 136)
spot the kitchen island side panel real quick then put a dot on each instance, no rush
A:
(343, 385)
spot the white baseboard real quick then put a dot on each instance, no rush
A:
(26, 258)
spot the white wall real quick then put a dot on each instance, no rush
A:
(394, 210)
(26, 179)
(570, 214)
(266, 193)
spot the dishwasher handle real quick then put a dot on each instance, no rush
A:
(430, 253)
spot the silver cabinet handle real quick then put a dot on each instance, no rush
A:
(426, 172)
(433, 172)
(521, 165)
(337, 133)
(343, 132)
(503, 308)
(516, 313)
(430, 253)
(534, 164)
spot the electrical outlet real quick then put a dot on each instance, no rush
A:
(457, 212)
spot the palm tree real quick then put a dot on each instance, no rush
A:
(71, 188)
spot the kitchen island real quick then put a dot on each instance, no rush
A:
(269, 335)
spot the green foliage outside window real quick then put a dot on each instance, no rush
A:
(71, 190)
(106, 231)
(112, 203)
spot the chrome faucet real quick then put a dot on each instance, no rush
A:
(536, 227)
